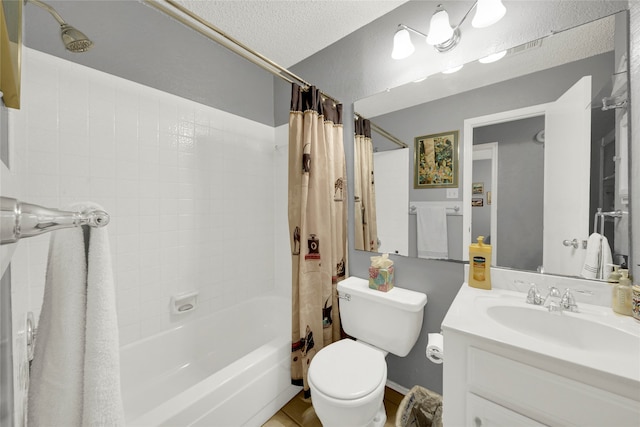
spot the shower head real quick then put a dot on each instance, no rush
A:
(73, 39)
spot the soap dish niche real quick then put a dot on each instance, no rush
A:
(184, 303)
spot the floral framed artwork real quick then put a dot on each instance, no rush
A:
(436, 161)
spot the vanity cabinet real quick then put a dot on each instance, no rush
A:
(488, 383)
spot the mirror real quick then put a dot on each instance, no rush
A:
(496, 108)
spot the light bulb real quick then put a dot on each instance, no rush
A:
(453, 69)
(493, 57)
(488, 12)
(440, 30)
(402, 46)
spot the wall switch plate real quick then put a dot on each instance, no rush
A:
(452, 193)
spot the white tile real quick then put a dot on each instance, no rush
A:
(74, 165)
(39, 139)
(129, 334)
(102, 167)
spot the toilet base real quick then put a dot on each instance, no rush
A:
(381, 417)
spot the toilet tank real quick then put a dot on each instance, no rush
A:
(390, 320)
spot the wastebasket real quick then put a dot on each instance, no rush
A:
(420, 408)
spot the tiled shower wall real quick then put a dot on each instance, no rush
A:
(190, 189)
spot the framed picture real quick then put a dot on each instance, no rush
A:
(477, 202)
(436, 160)
(477, 187)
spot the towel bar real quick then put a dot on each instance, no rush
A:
(602, 215)
(450, 210)
(20, 220)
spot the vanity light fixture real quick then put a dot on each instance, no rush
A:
(442, 36)
(493, 57)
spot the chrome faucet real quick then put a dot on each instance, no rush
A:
(553, 301)
(568, 301)
(533, 296)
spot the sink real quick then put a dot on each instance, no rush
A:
(569, 329)
(594, 338)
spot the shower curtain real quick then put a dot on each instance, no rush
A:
(366, 226)
(317, 224)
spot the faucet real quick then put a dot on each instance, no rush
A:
(533, 296)
(553, 301)
(568, 301)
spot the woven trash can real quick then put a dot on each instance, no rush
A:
(420, 407)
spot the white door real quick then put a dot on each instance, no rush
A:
(567, 154)
(392, 200)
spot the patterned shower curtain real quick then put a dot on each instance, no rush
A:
(317, 224)
(366, 224)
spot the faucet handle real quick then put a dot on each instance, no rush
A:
(553, 292)
(568, 301)
(533, 296)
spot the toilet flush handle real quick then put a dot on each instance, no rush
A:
(345, 296)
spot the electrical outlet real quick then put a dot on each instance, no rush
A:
(452, 193)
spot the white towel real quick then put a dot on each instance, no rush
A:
(75, 377)
(432, 232)
(597, 257)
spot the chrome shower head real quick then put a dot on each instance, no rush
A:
(74, 40)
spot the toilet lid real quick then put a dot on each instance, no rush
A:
(347, 370)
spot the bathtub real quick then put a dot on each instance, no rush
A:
(229, 368)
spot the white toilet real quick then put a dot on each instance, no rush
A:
(347, 378)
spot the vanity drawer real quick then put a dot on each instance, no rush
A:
(544, 396)
(484, 413)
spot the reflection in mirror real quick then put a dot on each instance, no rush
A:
(513, 200)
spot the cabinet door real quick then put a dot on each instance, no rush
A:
(484, 413)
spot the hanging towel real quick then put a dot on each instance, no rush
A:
(432, 232)
(597, 257)
(75, 375)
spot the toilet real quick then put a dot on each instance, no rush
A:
(347, 378)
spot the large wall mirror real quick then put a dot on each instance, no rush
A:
(542, 141)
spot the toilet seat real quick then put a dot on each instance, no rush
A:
(347, 370)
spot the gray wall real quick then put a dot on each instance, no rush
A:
(139, 43)
(520, 191)
(359, 65)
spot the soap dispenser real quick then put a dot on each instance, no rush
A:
(614, 276)
(621, 297)
(480, 265)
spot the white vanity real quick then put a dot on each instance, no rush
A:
(511, 363)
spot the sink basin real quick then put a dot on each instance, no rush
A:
(569, 329)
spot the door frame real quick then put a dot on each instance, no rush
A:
(489, 151)
(467, 179)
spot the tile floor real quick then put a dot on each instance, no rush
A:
(299, 413)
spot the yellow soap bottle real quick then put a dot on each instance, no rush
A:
(480, 265)
(621, 298)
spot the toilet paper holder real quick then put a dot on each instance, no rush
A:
(435, 348)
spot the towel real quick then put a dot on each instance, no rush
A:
(75, 375)
(432, 232)
(597, 258)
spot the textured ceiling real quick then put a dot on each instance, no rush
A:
(288, 31)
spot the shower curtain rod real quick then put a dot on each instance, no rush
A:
(229, 42)
(383, 132)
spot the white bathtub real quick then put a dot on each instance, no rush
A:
(227, 369)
